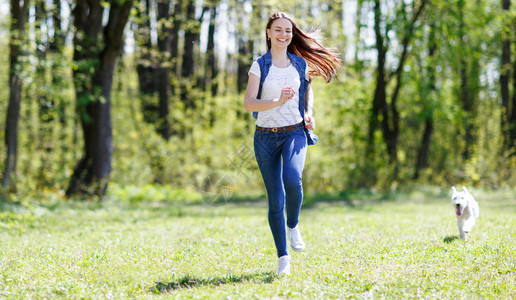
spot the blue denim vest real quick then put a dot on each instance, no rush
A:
(265, 62)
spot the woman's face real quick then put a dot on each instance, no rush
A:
(280, 33)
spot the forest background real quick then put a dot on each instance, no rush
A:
(129, 94)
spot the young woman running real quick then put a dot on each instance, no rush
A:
(279, 92)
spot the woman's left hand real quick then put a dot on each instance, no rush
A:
(309, 122)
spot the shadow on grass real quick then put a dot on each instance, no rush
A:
(450, 239)
(189, 282)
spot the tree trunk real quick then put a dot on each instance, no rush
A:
(512, 115)
(19, 11)
(245, 60)
(188, 64)
(390, 116)
(45, 99)
(465, 100)
(55, 49)
(57, 41)
(428, 92)
(424, 149)
(512, 119)
(245, 46)
(163, 72)
(464, 97)
(96, 48)
(357, 63)
(45, 102)
(143, 38)
(212, 72)
(174, 38)
(379, 99)
(391, 131)
(145, 67)
(505, 74)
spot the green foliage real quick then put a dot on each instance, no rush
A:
(360, 245)
(210, 141)
(48, 142)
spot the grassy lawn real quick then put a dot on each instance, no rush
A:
(358, 246)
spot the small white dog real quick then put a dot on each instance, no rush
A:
(467, 211)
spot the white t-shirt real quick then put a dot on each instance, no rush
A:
(278, 78)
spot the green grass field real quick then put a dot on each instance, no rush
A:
(358, 246)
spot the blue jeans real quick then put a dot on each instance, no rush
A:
(281, 159)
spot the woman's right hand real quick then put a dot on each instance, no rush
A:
(286, 94)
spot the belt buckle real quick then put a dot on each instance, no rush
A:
(274, 130)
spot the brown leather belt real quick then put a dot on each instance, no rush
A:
(279, 129)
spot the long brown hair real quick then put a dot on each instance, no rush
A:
(322, 61)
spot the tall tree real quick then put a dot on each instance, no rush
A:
(192, 33)
(174, 38)
(17, 38)
(512, 120)
(465, 88)
(381, 106)
(59, 65)
(357, 63)
(55, 49)
(245, 42)
(163, 71)
(42, 44)
(427, 93)
(41, 91)
(96, 48)
(212, 70)
(145, 66)
(245, 52)
(56, 42)
(508, 116)
(505, 74)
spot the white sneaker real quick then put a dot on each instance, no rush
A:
(296, 241)
(284, 265)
